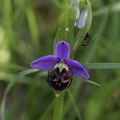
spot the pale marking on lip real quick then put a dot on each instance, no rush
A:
(61, 66)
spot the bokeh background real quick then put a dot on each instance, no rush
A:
(27, 31)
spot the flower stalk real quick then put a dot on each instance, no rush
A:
(58, 109)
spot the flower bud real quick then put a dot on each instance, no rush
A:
(73, 10)
(81, 21)
(85, 18)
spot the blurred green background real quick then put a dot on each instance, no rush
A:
(27, 31)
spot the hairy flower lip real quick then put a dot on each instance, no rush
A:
(59, 81)
(62, 56)
(58, 86)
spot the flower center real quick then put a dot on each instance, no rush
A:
(59, 80)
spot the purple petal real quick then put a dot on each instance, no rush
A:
(45, 63)
(63, 50)
(77, 68)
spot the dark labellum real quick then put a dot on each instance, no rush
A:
(59, 81)
(85, 39)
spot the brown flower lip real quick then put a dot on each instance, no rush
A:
(59, 81)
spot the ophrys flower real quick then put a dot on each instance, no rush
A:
(60, 68)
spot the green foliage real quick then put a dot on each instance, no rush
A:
(10, 85)
(30, 29)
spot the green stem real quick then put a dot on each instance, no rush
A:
(58, 110)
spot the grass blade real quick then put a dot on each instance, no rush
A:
(47, 112)
(10, 85)
(84, 49)
(91, 82)
(74, 93)
(88, 81)
(57, 38)
(74, 104)
(7, 19)
(93, 47)
(32, 25)
(102, 65)
(58, 4)
(104, 10)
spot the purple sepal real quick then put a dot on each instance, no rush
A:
(45, 63)
(77, 68)
(63, 50)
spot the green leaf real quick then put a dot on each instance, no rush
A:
(104, 10)
(7, 19)
(57, 38)
(99, 99)
(102, 65)
(72, 10)
(91, 82)
(74, 93)
(12, 66)
(92, 47)
(74, 104)
(32, 25)
(10, 85)
(88, 81)
(47, 112)
(58, 4)
(85, 49)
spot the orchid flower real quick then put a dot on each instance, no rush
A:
(60, 68)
